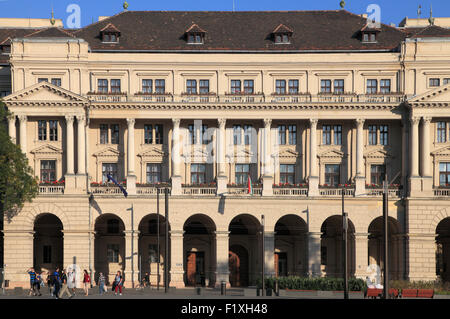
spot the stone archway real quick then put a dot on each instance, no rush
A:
(238, 266)
(443, 249)
(48, 243)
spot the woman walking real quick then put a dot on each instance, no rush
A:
(49, 283)
(86, 282)
(118, 282)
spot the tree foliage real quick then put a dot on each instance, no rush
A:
(17, 182)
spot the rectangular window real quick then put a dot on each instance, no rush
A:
(325, 86)
(326, 134)
(372, 135)
(205, 139)
(293, 86)
(42, 80)
(148, 134)
(237, 135)
(112, 253)
(446, 81)
(53, 130)
(159, 134)
(292, 131)
(198, 173)
(337, 134)
(47, 254)
(56, 81)
(241, 173)
(111, 169)
(114, 133)
(192, 134)
(377, 173)
(385, 86)
(444, 174)
(280, 86)
(235, 86)
(115, 86)
(332, 174)
(153, 173)
(191, 86)
(248, 134)
(160, 86)
(204, 86)
(441, 132)
(384, 135)
(147, 86)
(281, 134)
(287, 173)
(372, 86)
(249, 87)
(48, 171)
(102, 86)
(103, 133)
(435, 82)
(338, 86)
(42, 130)
(323, 249)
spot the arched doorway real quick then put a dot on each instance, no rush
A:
(199, 250)
(331, 246)
(376, 246)
(148, 247)
(48, 243)
(291, 246)
(443, 249)
(109, 248)
(245, 250)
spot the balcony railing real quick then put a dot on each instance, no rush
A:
(441, 192)
(393, 192)
(51, 190)
(199, 191)
(333, 192)
(248, 98)
(243, 191)
(106, 190)
(290, 191)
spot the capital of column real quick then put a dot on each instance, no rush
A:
(12, 119)
(360, 122)
(414, 120)
(314, 235)
(313, 122)
(176, 233)
(176, 123)
(267, 123)
(69, 119)
(22, 118)
(81, 118)
(222, 233)
(131, 122)
(426, 119)
(129, 233)
(222, 123)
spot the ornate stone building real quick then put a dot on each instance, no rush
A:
(305, 104)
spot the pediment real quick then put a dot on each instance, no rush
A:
(440, 94)
(153, 152)
(47, 92)
(107, 152)
(331, 154)
(286, 153)
(442, 152)
(243, 152)
(47, 149)
(377, 154)
(196, 152)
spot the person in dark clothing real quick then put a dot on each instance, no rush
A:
(56, 283)
(37, 285)
(32, 274)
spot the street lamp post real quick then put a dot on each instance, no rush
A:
(385, 237)
(166, 248)
(344, 245)
(262, 256)
(157, 237)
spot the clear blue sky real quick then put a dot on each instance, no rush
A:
(391, 10)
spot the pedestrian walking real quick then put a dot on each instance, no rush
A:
(101, 284)
(71, 284)
(118, 282)
(49, 283)
(37, 284)
(86, 282)
(146, 281)
(64, 288)
(56, 283)
(32, 274)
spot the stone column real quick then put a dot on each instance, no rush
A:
(176, 259)
(81, 121)
(426, 165)
(421, 256)
(313, 168)
(131, 258)
(361, 254)
(23, 133)
(70, 145)
(176, 158)
(220, 149)
(405, 156)
(18, 256)
(314, 254)
(76, 251)
(414, 178)
(360, 179)
(131, 177)
(267, 177)
(222, 250)
(269, 251)
(12, 128)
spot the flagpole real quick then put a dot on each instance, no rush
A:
(157, 234)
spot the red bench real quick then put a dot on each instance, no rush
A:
(374, 292)
(409, 293)
(393, 293)
(425, 293)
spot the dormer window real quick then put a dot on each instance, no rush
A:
(195, 35)
(369, 34)
(282, 34)
(110, 34)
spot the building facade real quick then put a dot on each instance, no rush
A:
(305, 106)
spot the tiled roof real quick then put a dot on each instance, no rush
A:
(52, 32)
(239, 31)
(432, 31)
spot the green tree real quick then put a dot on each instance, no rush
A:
(17, 182)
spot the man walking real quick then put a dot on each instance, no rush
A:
(32, 274)
(56, 283)
(64, 288)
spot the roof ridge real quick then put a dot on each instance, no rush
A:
(46, 29)
(101, 21)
